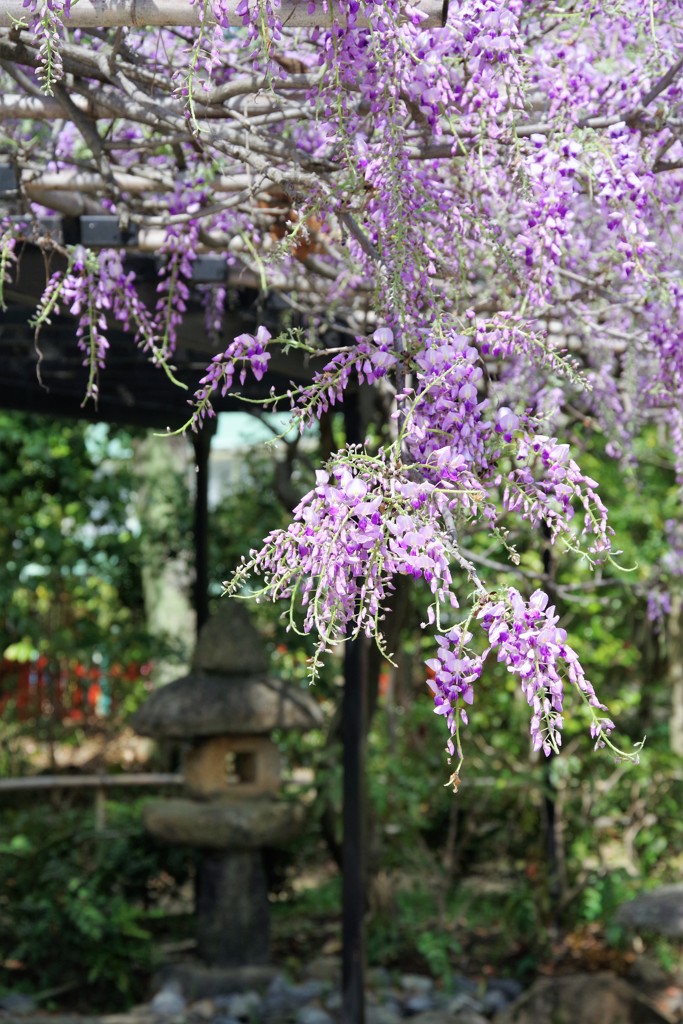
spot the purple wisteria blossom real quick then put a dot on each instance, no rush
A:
(180, 249)
(473, 208)
(47, 21)
(361, 526)
(246, 353)
(454, 671)
(367, 362)
(526, 638)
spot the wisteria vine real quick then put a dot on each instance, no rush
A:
(478, 218)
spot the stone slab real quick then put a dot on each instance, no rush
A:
(601, 998)
(229, 643)
(233, 914)
(659, 911)
(223, 824)
(197, 981)
(209, 705)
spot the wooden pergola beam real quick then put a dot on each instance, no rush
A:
(87, 182)
(176, 13)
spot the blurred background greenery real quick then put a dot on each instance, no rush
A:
(521, 871)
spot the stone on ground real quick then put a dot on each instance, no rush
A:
(659, 911)
(601, 998)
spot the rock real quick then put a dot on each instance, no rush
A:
(198, 981)
(204, 705)
(494, 1001)
(510, 988)
(464, 1003)
(647, 974)
(386, 1013)
(18, 1003)
(205, 1009)
(378, 977)
(334, 1001)
(326, 969)
(313, 1015)
(229, 644)
(468, 1017)
(444, 1017)
(601, 998)
(659, 911)
(460, 985)
(283, 999)
(418, 1003)
(245, 1006)
(169, 1002)
(223, 1003)
(417, 983)
(276, 1000)
(432, 1017)
(223, 824)
(307, 990)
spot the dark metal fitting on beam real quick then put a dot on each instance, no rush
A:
(102, 231)
(209, 270)
(9, 186)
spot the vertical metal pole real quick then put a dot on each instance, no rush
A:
(553, 853)
(354, 854)
(202, 449)
(354, 842)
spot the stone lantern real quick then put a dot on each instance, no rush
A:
(224, 711)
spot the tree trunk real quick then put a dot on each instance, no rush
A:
(164, 465)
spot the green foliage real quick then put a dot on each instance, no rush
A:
(72, 582)
(403, 928)
(76, 904)
(602, 896)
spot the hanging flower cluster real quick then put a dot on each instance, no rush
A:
(363, 524)
(246, 350)
(372, 518)
(47, 21)
(173, 290)
(87, 297)
(527, 639)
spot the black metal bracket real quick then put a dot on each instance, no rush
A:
(209, 270)
(104, 231)
(9, 187)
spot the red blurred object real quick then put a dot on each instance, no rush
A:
(65, 691)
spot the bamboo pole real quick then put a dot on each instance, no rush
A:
(139, 13)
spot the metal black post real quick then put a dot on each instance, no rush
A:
(552, 846)
(354, 842)
(202, 449)
(354, 854)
